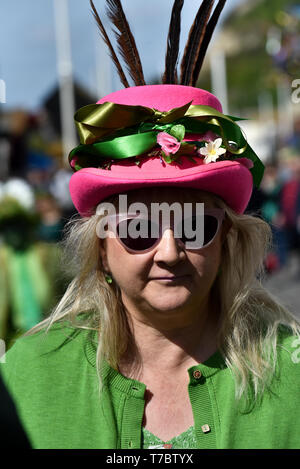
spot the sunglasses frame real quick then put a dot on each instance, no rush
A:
(115, 219)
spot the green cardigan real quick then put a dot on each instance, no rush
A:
(53, 380)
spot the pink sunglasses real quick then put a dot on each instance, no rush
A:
(124, 227)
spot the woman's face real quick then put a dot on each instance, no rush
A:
(140, 276)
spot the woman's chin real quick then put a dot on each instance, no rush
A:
(171, 304)
(167, 298)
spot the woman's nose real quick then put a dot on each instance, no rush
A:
(169, 249)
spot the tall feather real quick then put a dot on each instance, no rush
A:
(196, 35)
(109, 45)
(126, 42)
(206, 40)
(170, 74)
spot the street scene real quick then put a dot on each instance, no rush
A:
(150, 226)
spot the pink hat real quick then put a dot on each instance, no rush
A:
(210, 163)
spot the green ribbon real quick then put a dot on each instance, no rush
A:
(119, 148)
(128, 131)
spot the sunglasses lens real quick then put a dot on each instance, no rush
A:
(210, 228)
(136, 234)
(196, 223)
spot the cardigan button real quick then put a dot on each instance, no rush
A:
(197, 374)
(205, 428)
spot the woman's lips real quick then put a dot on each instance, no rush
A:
(172, 278)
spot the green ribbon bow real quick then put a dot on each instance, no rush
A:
(115, 131)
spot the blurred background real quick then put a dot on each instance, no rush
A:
(52, 62)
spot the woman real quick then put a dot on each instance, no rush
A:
(165, 338)
(181, 341)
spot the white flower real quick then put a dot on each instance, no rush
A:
(212, 151)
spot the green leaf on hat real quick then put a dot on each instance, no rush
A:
(178, 131)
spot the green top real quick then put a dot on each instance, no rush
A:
(186, 440)
(54, 382)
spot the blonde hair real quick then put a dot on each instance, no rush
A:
(251, 317)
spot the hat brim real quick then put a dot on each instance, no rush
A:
(230, 180)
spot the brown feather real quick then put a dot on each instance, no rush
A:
(170, 74)
(196, 35)
(206, 40)
(126, 42)
(109, 45)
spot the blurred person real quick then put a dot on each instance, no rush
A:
(294, 140)
(19, 307)
(31, 279)
(51, 223)
(271, 212)
(290, 208)
(19, 127)
(40, 169)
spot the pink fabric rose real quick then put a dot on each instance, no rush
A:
(168, 143)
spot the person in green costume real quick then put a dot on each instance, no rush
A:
(32, 280)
